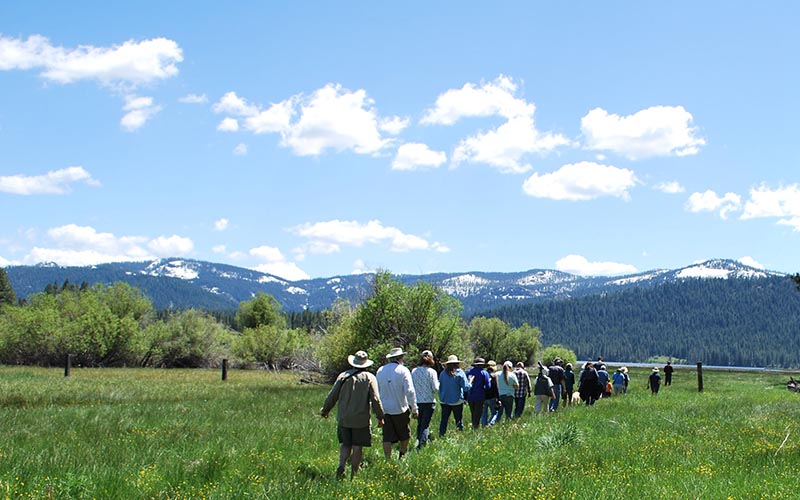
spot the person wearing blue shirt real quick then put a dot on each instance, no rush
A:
(453, 385)
(479, 378)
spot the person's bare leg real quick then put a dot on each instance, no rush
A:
(387, 450)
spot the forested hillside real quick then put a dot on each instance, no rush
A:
(716, 321)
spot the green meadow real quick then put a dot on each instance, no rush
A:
(180, 434)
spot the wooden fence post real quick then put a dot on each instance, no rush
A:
(224, 369)
(699, 376)
(68, 365)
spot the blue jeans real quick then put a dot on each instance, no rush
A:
(458, 413)
(519, 406)
(424, 422)
(490, 412)
(508, 405)
(554, 401)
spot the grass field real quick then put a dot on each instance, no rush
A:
(172, 434)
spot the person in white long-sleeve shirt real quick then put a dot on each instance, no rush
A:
(399, 401)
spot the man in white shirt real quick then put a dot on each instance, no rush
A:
(399, 401)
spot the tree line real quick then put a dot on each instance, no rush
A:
(116, 325)
(716, 321)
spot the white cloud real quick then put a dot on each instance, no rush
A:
(53, 182)
(414, 156)
(577, 264)
(194, 99)
(781, 202)
(171, 246)
(504, 147)
(793, 222)
(749, 261)
(670, 187)
(330, 118)
(276, 264)
(74, 245)
(219, 249)
(221, 224)
(490, 99)
(334, 233)
(139, 111)
(710, 201)
(228, 124)
(360, 267)
(335, 118)
(394, 125)
(581, 181)
(5, 262)
(132, 63)
(655, 131)
(240, 149)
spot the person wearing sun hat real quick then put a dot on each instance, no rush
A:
(654, 381)
(399, 400)
(453, 385)
(356, 391)
(479, 378)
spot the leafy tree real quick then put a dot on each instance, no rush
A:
(415, 318)
(558, 351)
(264, 310)
(187, 339)
(270, 344)
(7, 295)
(492, 338)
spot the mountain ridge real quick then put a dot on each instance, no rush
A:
(179, 283)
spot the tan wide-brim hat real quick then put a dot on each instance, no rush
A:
(396, 352)
(359, 360)
(452, 360)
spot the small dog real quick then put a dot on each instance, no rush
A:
(576, 398)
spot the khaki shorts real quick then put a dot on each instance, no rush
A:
(354, 437)
(396, 427)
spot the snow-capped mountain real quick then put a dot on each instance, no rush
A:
(183, 283)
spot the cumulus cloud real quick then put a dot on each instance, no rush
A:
(494, 98)
(505, 146)
(670, 187)
(131, 63)
(53, 182)
(415, 156)
(394, 125)
(783, 202)
(360, 267)
(276, 264)
(577, 264)
(331, 118)
(228, 124)
(749, 261)
(6, 262)
(219, 249)
(73, 245)
(221, 224)
(331, 235)
(139, 111)
(240, 149)
(194, 99)
(710, 201)
(171, 246)
(655, 131)
(581, 181)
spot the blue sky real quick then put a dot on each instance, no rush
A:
(313, 139)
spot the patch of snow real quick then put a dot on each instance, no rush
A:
(541, 277)
(270, 279)
(333, 281)
(704, 272)
(464, 285)
(638, 278)
(297, 290)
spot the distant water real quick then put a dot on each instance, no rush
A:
(689, 367)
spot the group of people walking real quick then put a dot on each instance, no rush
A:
(396, 394)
